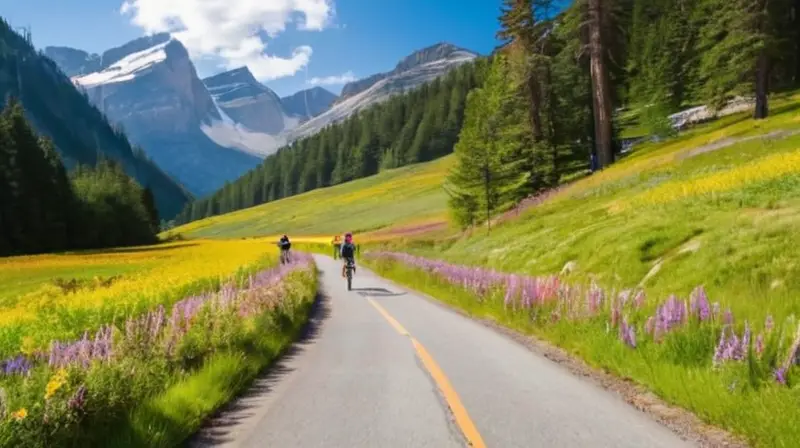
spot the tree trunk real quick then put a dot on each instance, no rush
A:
(762, 71)
(487, 185)
(534, 90)
(797, 42)
(554, 134)
(601, 91)
(762, 87)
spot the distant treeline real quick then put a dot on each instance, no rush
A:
(418, 126)
(42, 208)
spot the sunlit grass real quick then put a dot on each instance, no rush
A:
(359, 206)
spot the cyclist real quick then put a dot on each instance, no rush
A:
(285, 245)
(348, 253)
(337, 246)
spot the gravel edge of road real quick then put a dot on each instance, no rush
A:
(680, 421)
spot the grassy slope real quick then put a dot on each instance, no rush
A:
(727, 219)
(396, 196)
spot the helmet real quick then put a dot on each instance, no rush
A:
(348, 236)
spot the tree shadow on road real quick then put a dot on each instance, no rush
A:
(222, 427)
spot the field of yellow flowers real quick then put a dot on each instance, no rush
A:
(51, 297)
(100, 348)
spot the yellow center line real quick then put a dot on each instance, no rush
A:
(389, 318)
(460, 414)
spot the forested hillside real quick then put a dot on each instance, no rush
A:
(418, 126)
(556, 88)
(80, 133)
(44, 209)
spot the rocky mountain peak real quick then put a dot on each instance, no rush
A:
(443, 51)
(436, 52)
(241, 75)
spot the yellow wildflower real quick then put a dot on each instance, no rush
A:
(143, 278)
(766, 168)
(28, 346)
(20, 414)
(55, 383)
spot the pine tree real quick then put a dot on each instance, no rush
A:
(490, 172)
(741, 42)
(149, 203)
(518, 33)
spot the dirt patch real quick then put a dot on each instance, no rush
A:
(682, 422)
(726, 142)
(411, 230)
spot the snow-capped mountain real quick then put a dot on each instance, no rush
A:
(308, 103)
(249, 103)
(151, 88)
(414, 70)
(204, 133)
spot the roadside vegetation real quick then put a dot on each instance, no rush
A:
(675, 267)
(136, 347)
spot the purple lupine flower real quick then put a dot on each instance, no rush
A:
(718, 350)
(759, 344)
(78, 399)
(18, 365)
(769, 324)
(627, 333)
(639, 299)
(669, 315)
(780, 375)
(700, 306)
(730, 346)
(512, 287)
(594, 298)
(792, 354)
(728, 318)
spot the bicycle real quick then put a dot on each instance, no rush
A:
(349, 268)
(285, 259)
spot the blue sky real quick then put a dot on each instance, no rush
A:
(362, 37)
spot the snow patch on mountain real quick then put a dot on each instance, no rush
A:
(230, 134)
(126, 68)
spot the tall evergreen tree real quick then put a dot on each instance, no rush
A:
(490, 155)
(741, 43)
(518, 32)
(149, 203)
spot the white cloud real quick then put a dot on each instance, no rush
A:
(231, 29)
(344, 78)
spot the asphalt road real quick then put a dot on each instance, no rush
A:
(383, 367)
